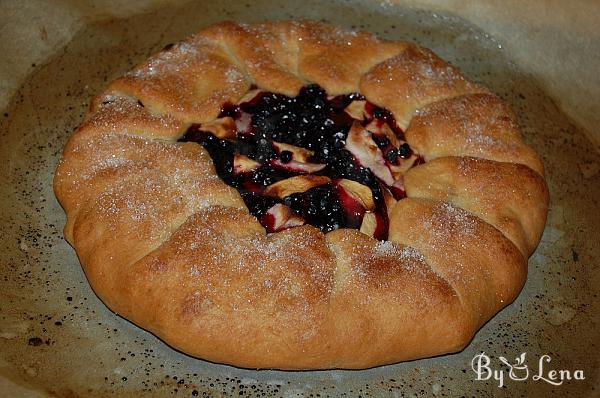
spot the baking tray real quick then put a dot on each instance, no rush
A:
(58, 339)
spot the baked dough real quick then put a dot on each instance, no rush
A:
(170, 246)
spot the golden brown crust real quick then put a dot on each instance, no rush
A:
(260, 50)
(478, 125)
(128, 172)
(337, 58)
(167, 244)
(510, 196)
(412, 79)
(118, 114)
(390, 304)
(237, 293)
(486, 270)
(191, 80)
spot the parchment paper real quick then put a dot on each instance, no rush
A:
(556, 41)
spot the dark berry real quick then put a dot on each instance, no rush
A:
(381, 140)
(405, 150)
(246, 146)
(285, 156)
(230, 110)
(258, 204)
(265, 175)
(379, 113)
(312, 90)
(319, 206)
(262, 126)
(339, 140)
(264, 151)
(392, 156)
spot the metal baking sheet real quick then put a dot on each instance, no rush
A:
(58, 339)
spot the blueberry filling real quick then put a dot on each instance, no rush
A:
(285, 156)
(332, 162)
(405, 150)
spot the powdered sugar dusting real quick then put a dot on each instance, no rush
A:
(461, 219)
(119, 114)
(232, 75)
(418, 71)
(142, 188)
(171, 60)
(474, 125)
(190, 79)
(291, 270)
(405, 253)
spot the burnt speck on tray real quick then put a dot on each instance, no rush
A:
(35, 341)
(278, 137)
(575, 255)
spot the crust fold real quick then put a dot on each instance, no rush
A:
(510, 196)
(485, 268)
(412, 79)
(479, 125)
(190, 81)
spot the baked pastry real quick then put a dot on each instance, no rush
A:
(293, 195)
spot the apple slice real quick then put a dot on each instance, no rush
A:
(369, 224)
(299, 154)
(243, 123)
(299, 162)
(359, 192)
(223, 128)
(368, 154)
(374, 225)
(297, 167)
(243, 164)
(295, 184)
(388, 198)
(403, 165)
(356, 109)
(280, 217)
(355, 199)
(249, 96)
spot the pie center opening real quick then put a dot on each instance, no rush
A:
(329, 161)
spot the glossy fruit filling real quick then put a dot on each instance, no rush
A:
(332, 162)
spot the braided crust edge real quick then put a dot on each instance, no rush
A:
(168, 245)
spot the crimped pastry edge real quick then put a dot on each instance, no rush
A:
(345, 305)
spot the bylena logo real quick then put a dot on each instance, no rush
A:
(520, 370)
